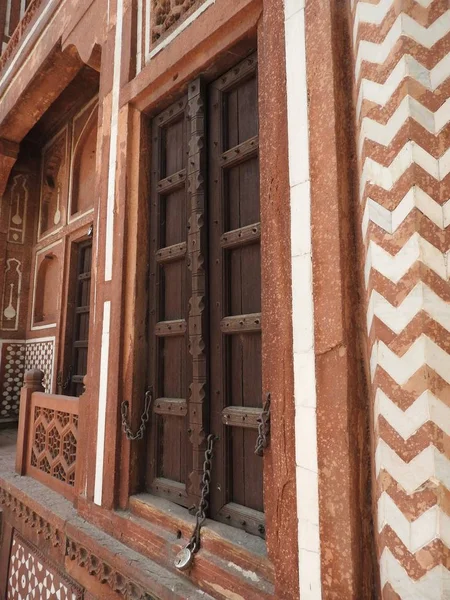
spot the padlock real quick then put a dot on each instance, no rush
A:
(184, 558)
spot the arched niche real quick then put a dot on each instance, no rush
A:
(84, 160)
(47, 290)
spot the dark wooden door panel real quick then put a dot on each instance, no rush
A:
(80, 337)
(235, 298)
(240, 105)
(170, 368)
(205, 299)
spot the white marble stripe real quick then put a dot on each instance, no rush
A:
(102, 395)
(302, 306)
(109, 243)
(139, 32)
(7, 17)
(148, 40)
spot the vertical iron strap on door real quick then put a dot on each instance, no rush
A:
(197, 251)
(262, 440)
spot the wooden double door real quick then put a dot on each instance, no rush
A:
(205, 298)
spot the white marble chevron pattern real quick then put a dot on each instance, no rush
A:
(428, 464)
(431, 524)
(374, 14)
(394, 267)
(387, 177)
(406, 423)
(393, 41)
(407, 66)
(423, 351)
(390, 221)
(408, 108)
(421, 297)
(404, 26)
(434, 585)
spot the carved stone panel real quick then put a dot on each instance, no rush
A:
(11, 378)
(54, 443)
(18, 202)
(167, 14)
(31, 576)
(39, 355)
(12, 285)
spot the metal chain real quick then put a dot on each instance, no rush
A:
(262, 440)
(200, 516)
(144, 418)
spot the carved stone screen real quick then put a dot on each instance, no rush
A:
(11, 378)
(39, 355)
(54, 443)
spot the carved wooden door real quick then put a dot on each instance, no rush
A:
(170, 290)
(235, 297)
(78, 367)
(205, 298)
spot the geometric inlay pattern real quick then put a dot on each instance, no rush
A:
(402, 76)
(39, 355)
(54, 443)
(30, 577)
(12, 370)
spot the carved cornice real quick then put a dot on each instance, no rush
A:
(30, 519)
(105, 573)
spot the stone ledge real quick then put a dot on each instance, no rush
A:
(37, 510)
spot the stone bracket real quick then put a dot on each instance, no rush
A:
(9, 152)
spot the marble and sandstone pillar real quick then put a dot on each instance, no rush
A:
(402, 99)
